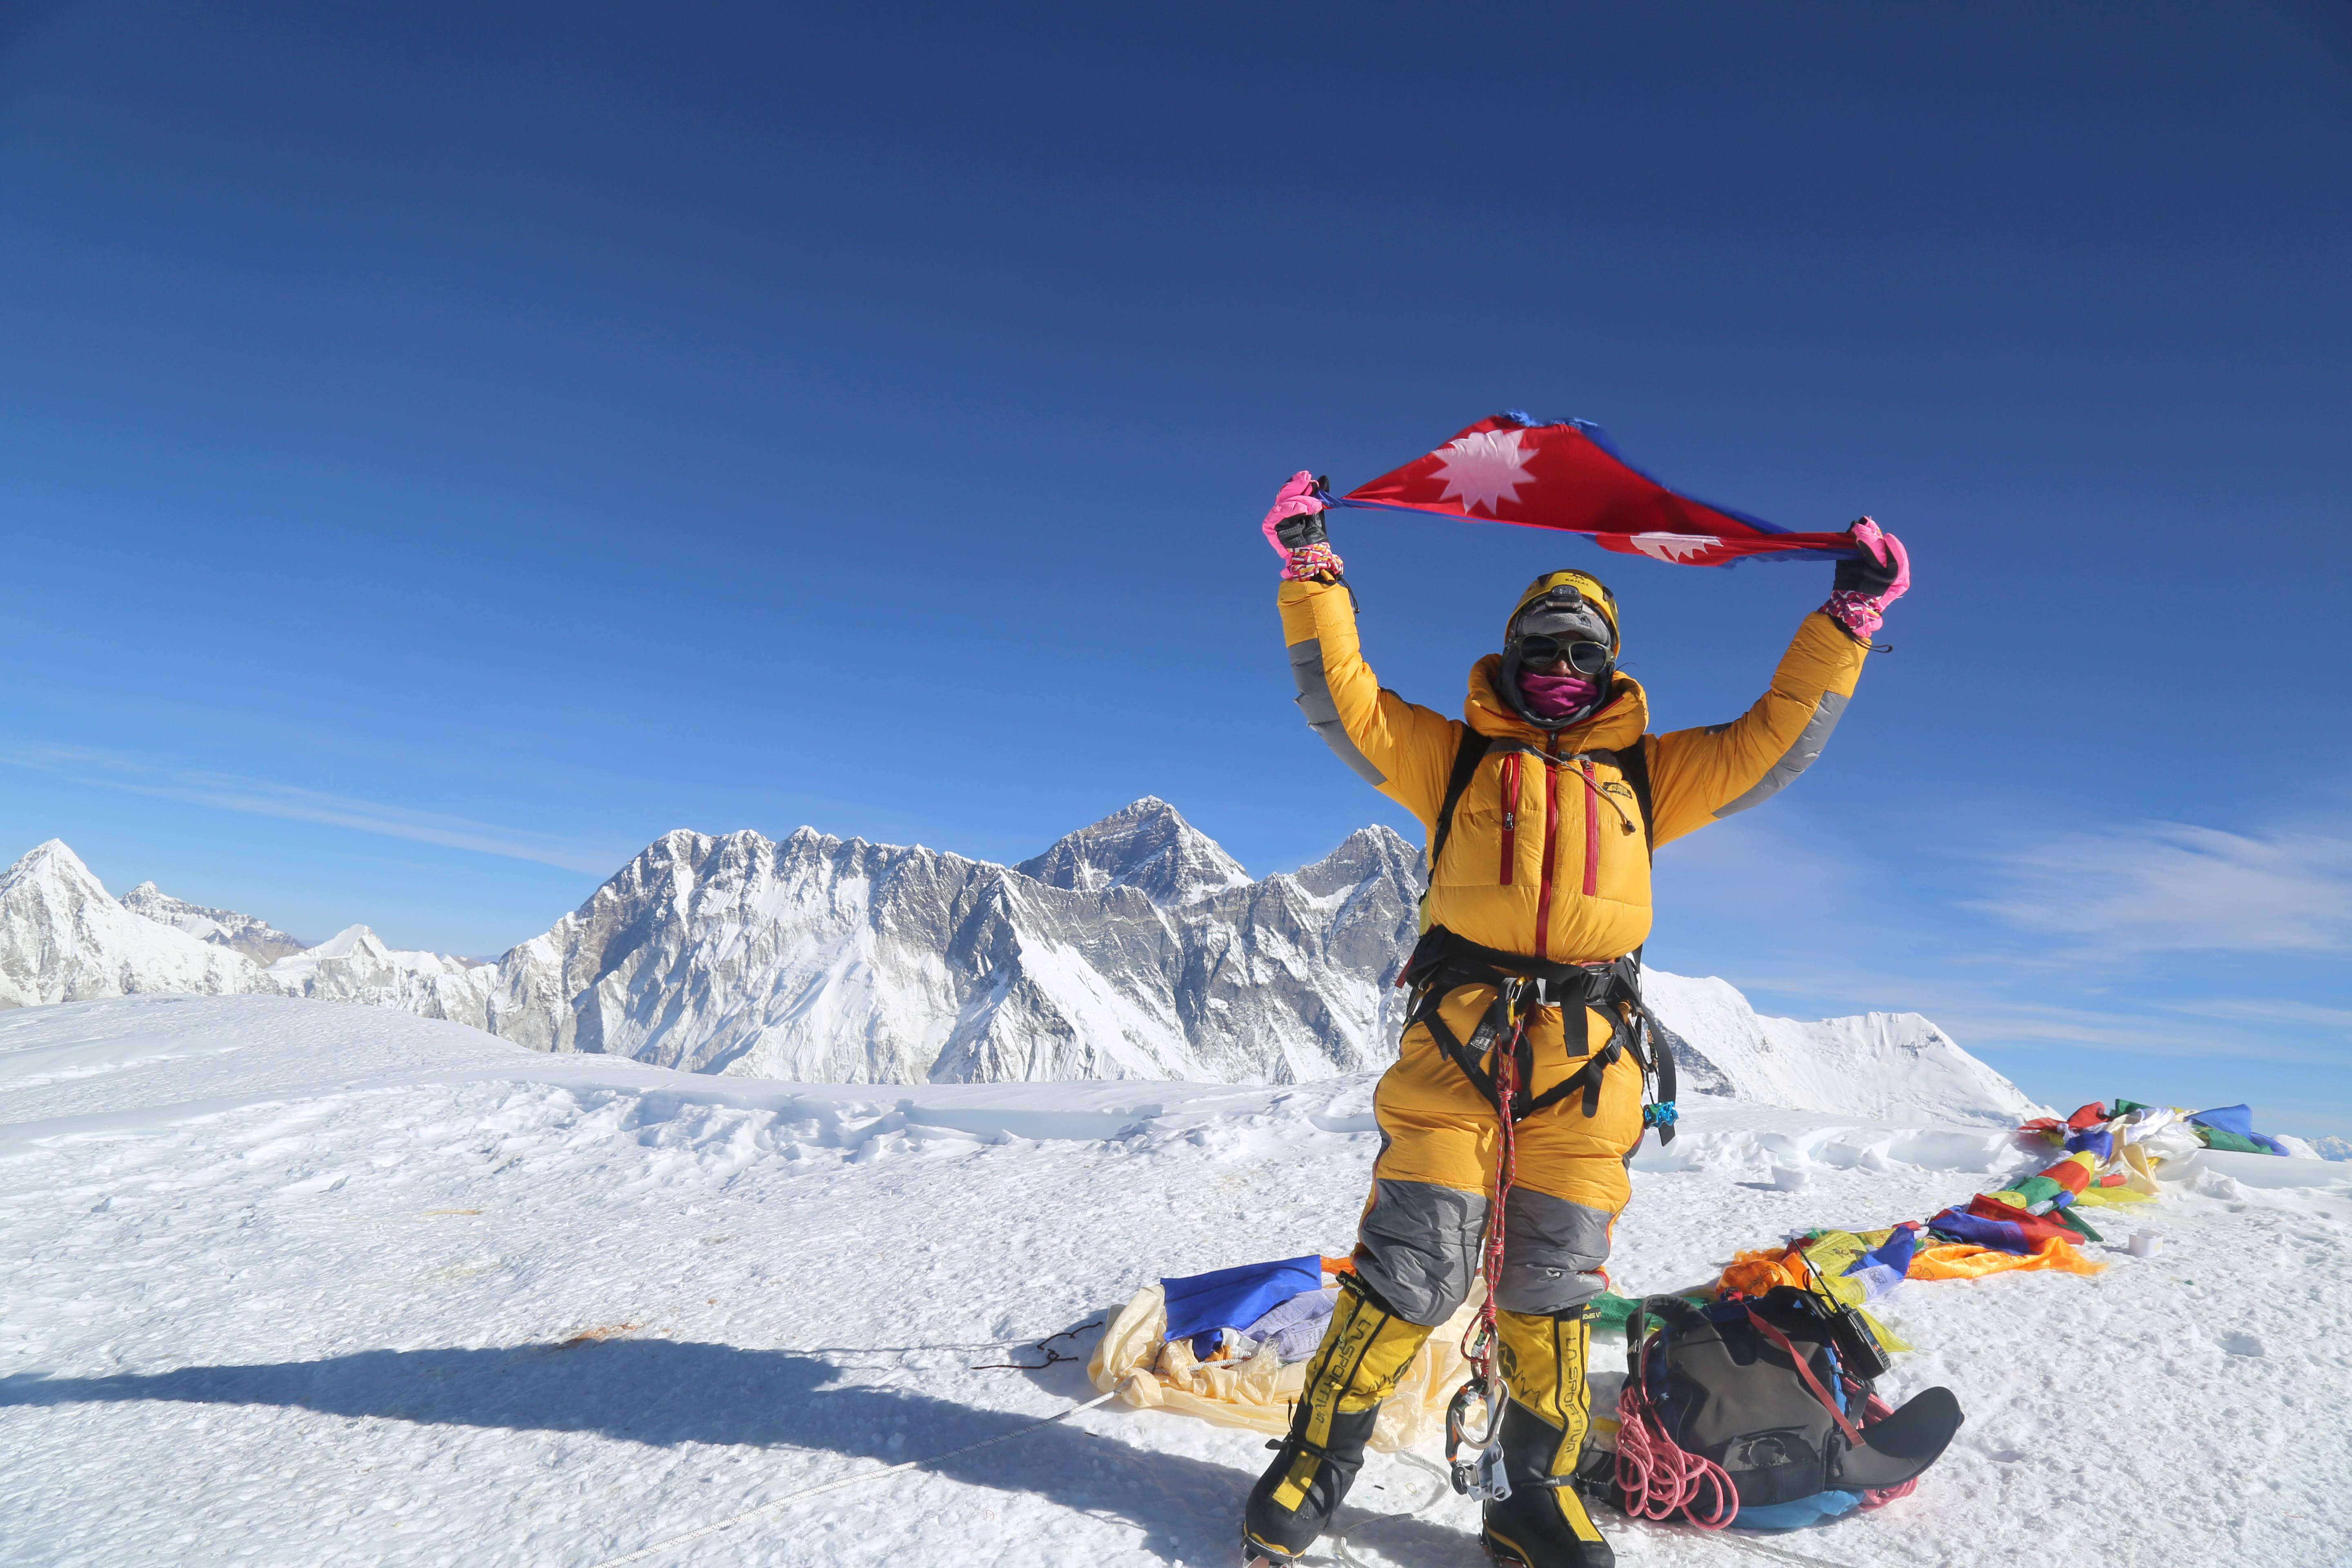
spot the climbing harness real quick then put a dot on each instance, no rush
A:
(1443, 962)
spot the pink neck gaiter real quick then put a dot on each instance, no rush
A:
(1556, 696)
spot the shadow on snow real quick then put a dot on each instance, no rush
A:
(666, 1391)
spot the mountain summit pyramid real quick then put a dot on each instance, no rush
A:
(1147, 846)
(63, 939)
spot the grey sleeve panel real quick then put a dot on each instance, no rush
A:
(1551, 1248)
(1419, 1247)
(1797, 758)
(1322, 713)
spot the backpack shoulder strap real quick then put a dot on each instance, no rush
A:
(1467, 755)
(1633, 762)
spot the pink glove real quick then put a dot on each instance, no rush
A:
(1868, 584)
(1294, 526)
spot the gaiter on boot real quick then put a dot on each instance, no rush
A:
(1542, 1524)
(1364, 1352)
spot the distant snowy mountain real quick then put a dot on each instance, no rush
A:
(1148, 847)
(256, 938)
(1134, 948)
(63, 939)
(1886, 1065)
(355, 965)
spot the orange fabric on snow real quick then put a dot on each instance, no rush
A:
(1959, 1260)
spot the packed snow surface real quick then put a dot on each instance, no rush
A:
(300, 1282)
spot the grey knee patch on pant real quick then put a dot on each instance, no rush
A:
(1550, 1251)
(1418, 1248)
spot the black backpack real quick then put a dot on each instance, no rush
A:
(1748, 1384)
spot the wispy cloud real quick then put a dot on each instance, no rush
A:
(263, 797)
(2268, 1010)
(2134, 1031)
(2168, 887)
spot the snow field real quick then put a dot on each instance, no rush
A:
(303, 1283)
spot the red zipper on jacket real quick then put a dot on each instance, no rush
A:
(1551, 836)
(1510, 813)
(1591, 832)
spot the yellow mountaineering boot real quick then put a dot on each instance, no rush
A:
(1543, 1523)
(1364, 1352)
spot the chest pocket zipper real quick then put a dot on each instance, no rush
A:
(1510, 814)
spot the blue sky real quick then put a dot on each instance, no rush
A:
(442, 447)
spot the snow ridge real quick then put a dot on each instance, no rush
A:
(1883, 1064)
(253, 937)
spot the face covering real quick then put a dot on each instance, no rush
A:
(1556, 696)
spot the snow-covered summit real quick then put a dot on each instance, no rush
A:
(1888, 1064)
(63, 938)
(1128, 949)
(357, 966)
(248, 934)
(1147, 846)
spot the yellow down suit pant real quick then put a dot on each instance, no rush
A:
(1419, 1246)
(1418, 1242)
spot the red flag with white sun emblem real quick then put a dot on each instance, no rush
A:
(1567, 476)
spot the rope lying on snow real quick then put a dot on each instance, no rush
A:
(1046, 1346)
(642, 1553)
(1339, 1537)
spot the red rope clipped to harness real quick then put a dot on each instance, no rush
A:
(1484, 1477)
(1655, 1475)
(1480, 1351)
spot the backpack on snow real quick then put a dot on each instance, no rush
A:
(1761, 1387)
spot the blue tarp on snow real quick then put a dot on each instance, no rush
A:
(1200, 1304)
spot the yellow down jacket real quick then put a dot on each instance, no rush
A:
(1547, 857)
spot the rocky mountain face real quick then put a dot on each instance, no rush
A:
(256, 938)
(1132, 948)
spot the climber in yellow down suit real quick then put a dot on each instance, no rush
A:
(1545, 866)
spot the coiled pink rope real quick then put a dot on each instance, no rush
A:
(1657, 1478)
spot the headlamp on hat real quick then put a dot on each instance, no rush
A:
(1563, 616)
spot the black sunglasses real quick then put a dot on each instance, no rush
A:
(1584, 657)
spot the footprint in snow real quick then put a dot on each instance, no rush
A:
(2242, 1344)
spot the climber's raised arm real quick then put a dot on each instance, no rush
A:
(1400, 748)
(1698, 776)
